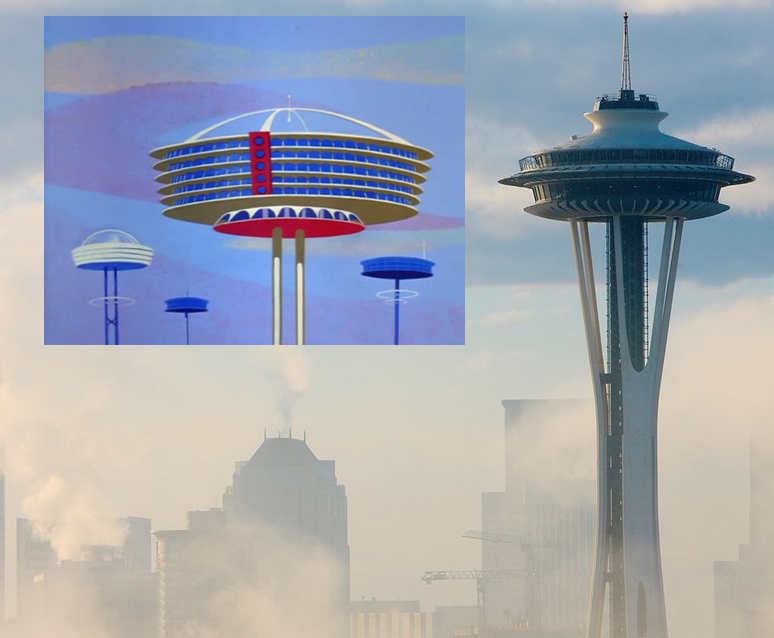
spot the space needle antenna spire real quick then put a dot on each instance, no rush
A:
(626, 76)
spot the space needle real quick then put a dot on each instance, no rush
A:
(291, 185)
(627, 175)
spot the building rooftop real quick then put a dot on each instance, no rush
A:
(283, 451)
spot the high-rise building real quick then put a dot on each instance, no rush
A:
(628, 176)
(284, 505)
(744, 588)
(541, 526)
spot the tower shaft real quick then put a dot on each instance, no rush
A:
(632, 249)
(627, 570)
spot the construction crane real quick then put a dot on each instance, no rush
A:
(482, 578)
(531, 590)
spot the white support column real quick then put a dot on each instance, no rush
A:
(670, 254)
(276, 286)
(300, 290)
(643, 579)
(585, 271)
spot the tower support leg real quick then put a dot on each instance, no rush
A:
(105, 304)
(300, 287)
(397, 312)
(276, 286)
(115, 305)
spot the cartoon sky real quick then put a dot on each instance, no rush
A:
(118, 87)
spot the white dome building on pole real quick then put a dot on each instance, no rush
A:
(112, 250)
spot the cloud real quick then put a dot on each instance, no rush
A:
(664, 6)
(423, 221)
(110, 64)
(491, 155)
(292, 381)
(744, 134)
(367, 244)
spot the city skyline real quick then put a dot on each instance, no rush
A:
(435, 412)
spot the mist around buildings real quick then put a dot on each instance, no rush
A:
(273, 557)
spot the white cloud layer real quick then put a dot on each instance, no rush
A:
(745, 135)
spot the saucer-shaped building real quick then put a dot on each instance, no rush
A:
(242, 178)
(112, 250)
(375, 175)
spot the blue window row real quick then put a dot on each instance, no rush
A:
(341, 192)
(370, 159)
(211, 172)
(247, 192)
(234, 157)
(312, 168)
(245, 157)
(293, 180)
(216, 146)
(336, 168)
(222, 183)
(212, 146)
(338, 180)
(276, 141)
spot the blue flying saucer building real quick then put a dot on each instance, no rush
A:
(397, 269)
(186, 306)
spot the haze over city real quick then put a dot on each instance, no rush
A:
(417, 434)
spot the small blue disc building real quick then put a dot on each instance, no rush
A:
(397, 268)
(186, 306)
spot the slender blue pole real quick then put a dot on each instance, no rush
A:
(115, 304)
(105, 304)
(187, 339)
(397, 311)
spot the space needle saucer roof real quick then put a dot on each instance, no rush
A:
(626, 161)
(375, 175)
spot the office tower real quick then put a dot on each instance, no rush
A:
(284, 511)
(542, 524)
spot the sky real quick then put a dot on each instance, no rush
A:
(417, 433)
(115, 88)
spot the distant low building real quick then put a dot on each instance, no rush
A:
(389, 619)
(450, 621)
(744, 588)
(115, 584)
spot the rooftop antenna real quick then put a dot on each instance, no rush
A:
(290, 432)
(264, 434)
(626, 76)
(288, 107)
(304, 436)
(424, 250)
